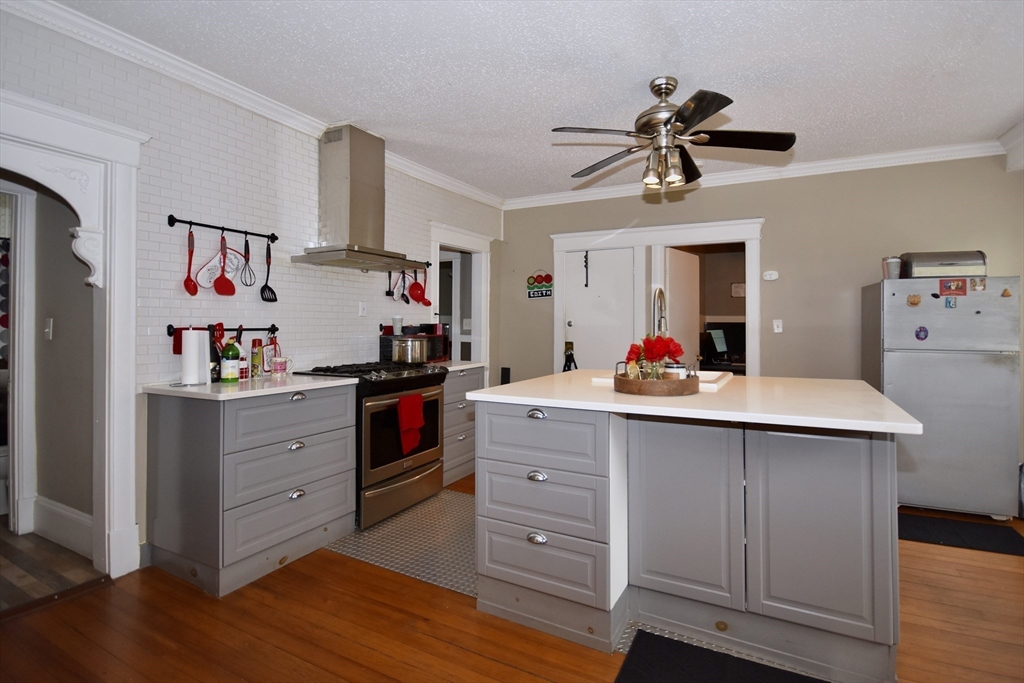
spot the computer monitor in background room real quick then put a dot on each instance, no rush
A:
(735, 338)
(718, 338)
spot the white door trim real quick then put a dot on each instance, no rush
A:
(657, 238)
(93, 165)
(22, 419)
(480, 247)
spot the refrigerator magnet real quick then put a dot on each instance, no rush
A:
(921, 333)
(913, 299)
(977, 284)
(950, 302)
(1007, 293)
(954, 287)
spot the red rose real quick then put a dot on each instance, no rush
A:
(634, 354)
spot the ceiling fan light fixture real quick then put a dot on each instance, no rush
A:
(652, 174)
(674, 174)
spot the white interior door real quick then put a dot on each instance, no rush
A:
(598, 286)
(682, 298)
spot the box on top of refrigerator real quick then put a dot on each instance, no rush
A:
(944, 264)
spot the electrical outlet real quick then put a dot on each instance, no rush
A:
(362, 309)
(568, 346)
(777, 326)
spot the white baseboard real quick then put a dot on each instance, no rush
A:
(64, 526)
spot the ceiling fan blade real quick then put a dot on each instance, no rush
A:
(601, 131)
(747, 139)
(690, 171)
(701, 105)
(609, 161)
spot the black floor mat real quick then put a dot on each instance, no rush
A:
(656, 659)
(960, 534)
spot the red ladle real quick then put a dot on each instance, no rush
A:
(191, 286)
(416, 289)
(222, 285)
(425, 301)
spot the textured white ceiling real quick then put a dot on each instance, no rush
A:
(471, 89)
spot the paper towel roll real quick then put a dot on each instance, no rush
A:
(192, 344)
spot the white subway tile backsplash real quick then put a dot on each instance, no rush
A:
(214, 162)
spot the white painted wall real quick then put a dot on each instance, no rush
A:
(213, 162)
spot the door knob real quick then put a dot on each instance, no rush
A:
(569, 323)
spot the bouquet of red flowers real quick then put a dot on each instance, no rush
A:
(655, 350)
(647, 360)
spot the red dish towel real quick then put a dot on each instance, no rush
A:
(410, 419)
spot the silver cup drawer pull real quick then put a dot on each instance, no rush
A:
(538, 539)
(461, 437)
(536, 414)
(296, 445)
(537, 476)
(297, 396)
(462, 373)
(297, 493)
(461, 405)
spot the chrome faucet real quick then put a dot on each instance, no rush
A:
(659, 324)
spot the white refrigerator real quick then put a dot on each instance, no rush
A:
(947, 350)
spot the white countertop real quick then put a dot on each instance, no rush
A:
(263, 386)
(463, 364)
(798, 402)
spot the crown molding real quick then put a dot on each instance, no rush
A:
(71, 23)
(917, 156)
(411, 168)
(1013, 142)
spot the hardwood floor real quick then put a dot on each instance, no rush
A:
(32, 567)
(327, 617)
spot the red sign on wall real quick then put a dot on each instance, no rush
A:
(538, 285)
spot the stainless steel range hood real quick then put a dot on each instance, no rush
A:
(352, 204)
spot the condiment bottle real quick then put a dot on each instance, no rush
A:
(229, 362)
(256, 359)
(214, 360)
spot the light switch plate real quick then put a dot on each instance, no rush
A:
(771, 275)
(777, 326)
(362, 309)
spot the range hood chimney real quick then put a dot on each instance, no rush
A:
(352, 204)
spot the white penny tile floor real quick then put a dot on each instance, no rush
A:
(433, 541)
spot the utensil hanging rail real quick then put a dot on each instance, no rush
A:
(172, 221)
(273, 329)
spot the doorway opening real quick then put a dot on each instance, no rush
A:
(652, 246)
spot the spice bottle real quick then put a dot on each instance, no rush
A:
(229, 362)
(256, 359)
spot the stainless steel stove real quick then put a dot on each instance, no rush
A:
(390, 475)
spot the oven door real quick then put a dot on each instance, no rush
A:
(382, 456)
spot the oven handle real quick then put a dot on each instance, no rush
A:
(394, 401)
(375, 492)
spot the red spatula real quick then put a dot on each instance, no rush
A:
(222, 285)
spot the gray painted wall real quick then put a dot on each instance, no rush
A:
(825, 235)
(63, 365)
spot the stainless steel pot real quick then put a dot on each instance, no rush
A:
(409, 349)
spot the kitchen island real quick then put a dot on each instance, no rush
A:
(760, 517)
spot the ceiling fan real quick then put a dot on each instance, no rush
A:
(666, 127)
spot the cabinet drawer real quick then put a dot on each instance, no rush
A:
(254, 527)
(459, 381)
(559, 438)
(563, 502)
(562, 566)
(261, 472)
(265, 420)
(459, 448)
(459, 417)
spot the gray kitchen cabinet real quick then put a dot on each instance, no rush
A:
(781, 522)
(686, 509)
(559, 438)
(460, 422)
(239, 487)
(820, 539)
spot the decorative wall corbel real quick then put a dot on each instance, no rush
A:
(88, 247)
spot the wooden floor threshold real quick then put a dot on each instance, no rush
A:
(49, 600)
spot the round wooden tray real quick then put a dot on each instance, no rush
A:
(656, 387)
